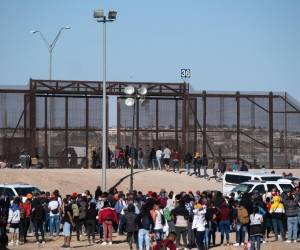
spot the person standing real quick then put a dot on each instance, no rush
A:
(255, 233)
(197, 165)
(167, 156)
(145, 225)
(141, 159)
(187, 162)
(153, 158)
(158, 157)
(199, 224)
(107, 216)
(54, 210)
(175, 160)
(225, 223)
(13, 222)
(277, 212)
(90, 222)
(26, 207)
(68, 223)
(181, 216)
(204, 163)
(38, 217)
(131, 226)
(83, 206)
(291, 211)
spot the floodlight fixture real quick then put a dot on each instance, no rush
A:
(129, 90)
(129, 101)
(112, 15)
(98, 13)
(142, 91)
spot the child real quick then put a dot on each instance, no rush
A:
(13, 221)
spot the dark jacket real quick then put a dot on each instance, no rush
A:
(131, 222)
(180, 210)
(188, 158)
(291, 208)
(145, 221)
(91, 213)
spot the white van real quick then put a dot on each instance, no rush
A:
(232, 179)
(283, 185)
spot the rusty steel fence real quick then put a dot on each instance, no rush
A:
(60, 122)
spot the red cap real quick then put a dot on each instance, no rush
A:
(74, 195)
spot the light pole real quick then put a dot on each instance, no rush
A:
(101, 18)
(50, 46)
(134, 94)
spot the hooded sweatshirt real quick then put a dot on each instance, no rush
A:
(277, 206)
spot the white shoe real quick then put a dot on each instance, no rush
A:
(110, 243)
(288, 241)
(17, 243)
(43, 242)
(37, 243)
(236, 244)
(11, 243)
(104, 243)
(264, 242)
(295, 241)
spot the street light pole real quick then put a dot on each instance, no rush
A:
(134, 95)
(99, 15)
(104, 129)
(50, 46)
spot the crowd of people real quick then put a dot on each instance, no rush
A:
(166, 159)
(152, 220)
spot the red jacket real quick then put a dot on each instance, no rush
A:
(27, 207)
(108, 213)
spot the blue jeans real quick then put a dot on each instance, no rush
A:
(144, 237)
(158, 161)
(255, 239)
(277, 224)
(121, 218)
(240, 233)
(197, 170)
(187, 167)
(225, 228)
(141, 163)
(205, 171)
(292, 225)
(54, 224)
(153, 161)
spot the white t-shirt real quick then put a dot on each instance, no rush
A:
(167, 153)
(256, 219)
(158, 153)
(158, 221)
(53, 205)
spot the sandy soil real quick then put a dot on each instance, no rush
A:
(77, 180)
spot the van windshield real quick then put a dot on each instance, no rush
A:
(243, 188)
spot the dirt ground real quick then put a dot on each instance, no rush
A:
(79, 180)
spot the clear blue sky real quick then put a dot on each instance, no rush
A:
(229, 45)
